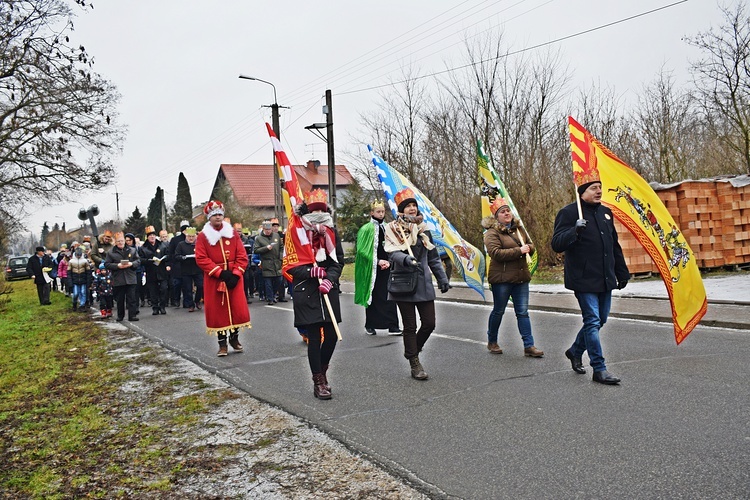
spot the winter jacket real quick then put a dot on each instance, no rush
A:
(147, 252)
(503, 244)
(62, 268)
(428, 260)
(309, 304)
(188, 266)
(35, 268)
(79, 270)
(124, 276)
(270, 260)
(593, 258)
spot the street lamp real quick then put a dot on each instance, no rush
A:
(276, 129)
(328, 139)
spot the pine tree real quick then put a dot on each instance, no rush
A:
(183, 205)
(353, 212)
(136, 223)
(156, 209)
(45, 233)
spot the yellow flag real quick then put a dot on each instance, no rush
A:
(638, 208)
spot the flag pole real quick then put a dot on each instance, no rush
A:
(330, 310)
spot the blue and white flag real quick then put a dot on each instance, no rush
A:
(467, 259)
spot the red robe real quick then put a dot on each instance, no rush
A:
(224, 308)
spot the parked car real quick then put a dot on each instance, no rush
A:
(16, 267)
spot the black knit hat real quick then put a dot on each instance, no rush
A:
(584, 187)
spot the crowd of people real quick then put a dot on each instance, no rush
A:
(221, 268)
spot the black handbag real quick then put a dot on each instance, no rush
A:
(403, 281)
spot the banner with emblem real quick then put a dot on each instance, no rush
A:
(491, 187)
(635, 204)
(467, 259)
(297, 248)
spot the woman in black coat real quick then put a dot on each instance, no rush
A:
(312, 282)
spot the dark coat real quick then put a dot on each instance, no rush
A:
(188, 266)
(126, 276)
(309, 305)
(175, 264)
(429, 260)
(593, 259)
(507, 263)
(34, 267)
(147, 253)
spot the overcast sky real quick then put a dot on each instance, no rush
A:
(176, 64)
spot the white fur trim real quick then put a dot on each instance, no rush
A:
(213, 236)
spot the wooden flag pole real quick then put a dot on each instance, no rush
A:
(520, 237)
(330, 309)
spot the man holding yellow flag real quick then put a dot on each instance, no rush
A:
(594, 266)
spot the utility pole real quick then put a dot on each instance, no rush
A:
(117, 200)
(277, 201)
(331, 156)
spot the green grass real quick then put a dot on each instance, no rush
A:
(65, 430)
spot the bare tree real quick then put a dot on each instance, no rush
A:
(722, 79)
(57, 117)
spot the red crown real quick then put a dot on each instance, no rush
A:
(317, 199)
(498, 203)
(404, 194)
(213, 207)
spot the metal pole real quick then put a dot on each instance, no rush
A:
(331, 156)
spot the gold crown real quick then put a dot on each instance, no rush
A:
(119, 234)
(403, 195)
(316, 196)
(189, 231)
(150, 229)
(377, 204)
(498, 203)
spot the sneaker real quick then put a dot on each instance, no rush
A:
(533, 352)
(394, 332)
(370, 331)
(494, 348)
(222, 351)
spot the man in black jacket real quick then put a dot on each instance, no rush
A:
(35, 267)
(153, 254)
(594, 266)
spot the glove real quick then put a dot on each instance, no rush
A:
(232, 281)
(225, 276)
(411, 261)
(179, 257)
(444, 287)
(580, 225)
(325, 286)
(622, 284)
(318, 272)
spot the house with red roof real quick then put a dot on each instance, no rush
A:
(252, 185)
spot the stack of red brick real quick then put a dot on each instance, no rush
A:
(714, 217)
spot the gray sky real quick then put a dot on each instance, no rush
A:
(176, 64)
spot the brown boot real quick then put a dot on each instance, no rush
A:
(533, 352)
(319, 389)
(417, 371)
(222, 348)
(324, 370)
(494, 348)
(235, 342)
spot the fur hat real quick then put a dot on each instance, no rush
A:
(213, 207)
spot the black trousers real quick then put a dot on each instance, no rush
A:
(320, 353)
(158, 291)
(124, 295)
(415, 340)
(42, 290)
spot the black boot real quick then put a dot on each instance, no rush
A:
(319, 389)
(417, 371)
(324, 369)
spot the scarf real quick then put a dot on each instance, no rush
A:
(403, 232)
(213, 236)
(319, 228)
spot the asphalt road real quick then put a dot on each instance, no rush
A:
(505, 426)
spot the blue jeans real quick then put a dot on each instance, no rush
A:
(79, 292)
(501, 292)
(272, 285)
(595, 311)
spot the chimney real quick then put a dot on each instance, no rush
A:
(313, 165)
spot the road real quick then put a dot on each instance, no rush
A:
(505, 426)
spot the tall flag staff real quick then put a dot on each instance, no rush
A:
(491, 187)
(297, 247)
(466, 258)
(635, 204)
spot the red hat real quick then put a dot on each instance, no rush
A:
(317, 199)
(403, 198)
(213, 207)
